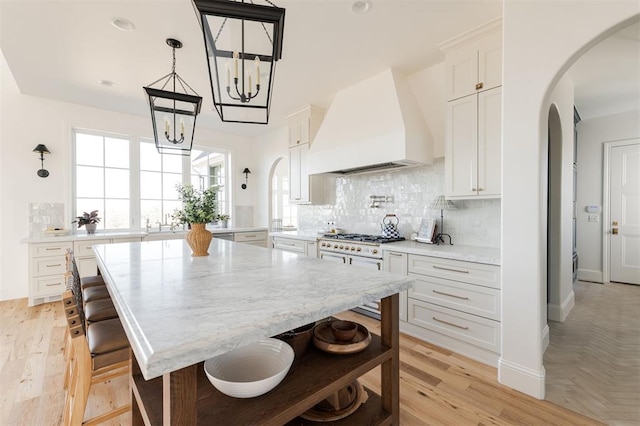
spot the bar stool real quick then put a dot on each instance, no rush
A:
(98, 352)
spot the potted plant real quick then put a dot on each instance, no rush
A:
(223, 219)
(199, 207)
(89, 219)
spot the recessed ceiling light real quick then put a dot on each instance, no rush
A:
(107, 83)
(361, 6)
(123, 24)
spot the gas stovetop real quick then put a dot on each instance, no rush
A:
(376, 239)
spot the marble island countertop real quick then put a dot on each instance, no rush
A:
(296, 235)
(178, 310)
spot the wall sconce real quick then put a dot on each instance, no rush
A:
(246, 172)
(42, 149)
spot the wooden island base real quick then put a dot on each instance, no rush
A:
(186, 397)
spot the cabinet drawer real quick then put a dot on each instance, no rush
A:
(468, 272)
(83, 248)
(250, 236)
(262, 243)
(469, 298)
(50, 249)
(471, 329)
(47, 286)
(295, 246)
(49, 266)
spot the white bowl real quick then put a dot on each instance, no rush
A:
(251, 370)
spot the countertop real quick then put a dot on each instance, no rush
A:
(178, 310)
(83, 236)
(486, 255)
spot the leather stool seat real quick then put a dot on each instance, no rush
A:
(99, 310)
(91, 281)
(90, 294)
(107, 342)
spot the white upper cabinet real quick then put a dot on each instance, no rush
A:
(306, 189)
(473, 134)
(474, 67)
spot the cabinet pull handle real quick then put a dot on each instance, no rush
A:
(53, 266)
(449, 323)
(450, 295)
(52, 248)
(395, 254)
(474, 189)
(249, 235)
(450, 269)
(479, 86)
(53, 285)
(480, 189)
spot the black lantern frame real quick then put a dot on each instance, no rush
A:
(241, 36)
(177, 111)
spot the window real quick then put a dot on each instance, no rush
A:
(102, 176)
(280, 197)
(133, 186)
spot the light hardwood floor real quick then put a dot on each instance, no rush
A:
(437, 387)
(593, 360)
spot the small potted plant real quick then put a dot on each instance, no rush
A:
(89, 219)
(223, 219)
(199, 207)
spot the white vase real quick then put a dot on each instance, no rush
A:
(91, 228)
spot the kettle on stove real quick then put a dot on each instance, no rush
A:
(389, 226)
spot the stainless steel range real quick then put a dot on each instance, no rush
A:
(356, 250)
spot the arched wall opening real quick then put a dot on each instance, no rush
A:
(553, 206)
(536, 53)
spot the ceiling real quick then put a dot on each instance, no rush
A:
(61, 49)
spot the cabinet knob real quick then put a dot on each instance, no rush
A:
(480, 189)
(474, 189)
(479, 86)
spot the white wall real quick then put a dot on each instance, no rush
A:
(561, 296)
(26, 121)
(540, 41)
(592, 134)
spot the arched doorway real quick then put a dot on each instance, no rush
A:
(554, 216)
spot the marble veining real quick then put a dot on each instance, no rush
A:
(486, 255)
(178, 310)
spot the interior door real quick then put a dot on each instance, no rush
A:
(624, 194)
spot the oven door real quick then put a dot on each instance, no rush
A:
(371, 309)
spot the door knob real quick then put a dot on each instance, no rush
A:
(614, 231)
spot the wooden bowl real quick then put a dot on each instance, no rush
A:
(344, 331)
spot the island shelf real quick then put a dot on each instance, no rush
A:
(312, 378)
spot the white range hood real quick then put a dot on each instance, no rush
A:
(371, 126)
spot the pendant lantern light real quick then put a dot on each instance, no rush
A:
(173, 113)
(243, 41)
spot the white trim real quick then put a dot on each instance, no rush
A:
(561, 312)
(472, 35)
(521, 378)
(545, 338)
(606, 213)
(590, 275)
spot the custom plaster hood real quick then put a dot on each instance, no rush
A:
(371, 126)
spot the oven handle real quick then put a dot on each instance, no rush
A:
(377, 263)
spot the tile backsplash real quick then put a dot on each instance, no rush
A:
(44, 215)
(473, 223)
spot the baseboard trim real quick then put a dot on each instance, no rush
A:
(525, 380)
(590, 275)
(561, 312)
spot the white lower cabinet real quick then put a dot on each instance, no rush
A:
(295, 245)
(46, 271)
(257, 238)
(397, 263)
(453, 304)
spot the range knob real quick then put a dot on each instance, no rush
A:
(353, 248)
(341, 247)
(346, 248)
(359, 249)
(323, 244)
(374, 251)
(335, 246)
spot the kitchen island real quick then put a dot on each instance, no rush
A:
(179, 310)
